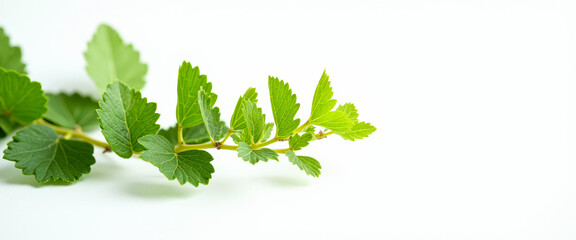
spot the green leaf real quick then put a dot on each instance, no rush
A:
(193, 135)
(38, 150)
(254, 156)
(284, 107)
(125, 116)
(10, 56)
(255, 122)
(238, 122)
(359, 130)
(311, 130)
(350, 110)
(211, 115)
(192, 166)
(322, 105)
(108, 59)
(267, 131)
(73, 110)
(298, 142)
(7, 125)
(190, 82)
(20, 99)
(306, 164)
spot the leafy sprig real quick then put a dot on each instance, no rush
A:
(50, 140)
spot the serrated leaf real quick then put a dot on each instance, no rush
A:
(298, 142)
(125, 116)
(255, 122)
(192, 135)
(284, 107)
(108, 59)
(190, 82)
(311, 130)
(322, 105)
(254, 156)
(350, 110)
(73, 110)
(211, 115)
(267, 131)
(20, 99)
(192, 166)
(359, 130)
(307, 164)
(10, 56)
(238, 122)
(38, 150)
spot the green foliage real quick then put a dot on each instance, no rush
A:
(188, 112)
(284, 107)
(211, 115)
(306, 164)
(125, 116)
(254, 156)
(38, 150)
(72, 111)
(21, 101)
(10, 56)
(109, 59)
(192, 166)
(322, 105)
(52, 144)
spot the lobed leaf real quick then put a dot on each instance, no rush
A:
(350, 110)
(322, 105)
(211, 115)
(38, 150)
(190, 82)
(192, 166)
(298, 142)
(71, 111)
(359, 130)
(307, 164)
(125, 116)
(238, 122)
(255, 155)
(10, 56)
(255, 122)
(20, 99)
(108, 59)
(284, 107)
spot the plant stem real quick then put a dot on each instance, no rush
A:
(299, 129)
(227, 136)
(69, 133)
(180, 135)
(256, 146)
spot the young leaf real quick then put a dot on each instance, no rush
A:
(211, 115)
(359, 130)
(191, 166)
(311, 130)
(38, 151)
(238, 122)
(267, 131)
(192, 135)
(20, 98)
(255, 122)
(108, 59)
(322, 105)
(10, 56)
(350, 110)
(189, 84)
(298, 142)
(306, 164)
(284, 107)
(254, 156)
(125, 116)
(71, 111)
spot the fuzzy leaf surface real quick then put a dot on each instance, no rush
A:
(10, 56)
(125, 116)
(284, 107)
(109, 59)
(211, 115)
(38, 150)
(238, 122)
(188, 113)
(307, 164)
(73, 110)
(192, 166)
(20, 98)
(254, 156)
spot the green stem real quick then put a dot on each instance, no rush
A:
(282, 151)
(69, 133)
(259, 145)
(227, 136)
(299, 129)
(180, 135)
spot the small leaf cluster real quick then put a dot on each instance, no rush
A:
(49, 129)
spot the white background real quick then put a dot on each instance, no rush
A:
(473, 101)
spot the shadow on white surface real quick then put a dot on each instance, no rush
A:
(11, 175)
